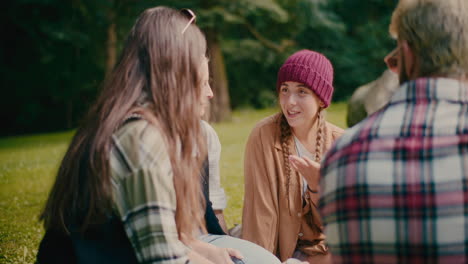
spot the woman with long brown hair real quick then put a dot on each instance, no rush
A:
(280, 204)
(128, 188)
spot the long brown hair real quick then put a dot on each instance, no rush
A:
(286, 137)
(158, 76)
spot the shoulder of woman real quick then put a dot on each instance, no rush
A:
(268, 126)
(266, 129)
(139, 130)
(211, 136)
(207, 128)
(335, 130)
(137, 136)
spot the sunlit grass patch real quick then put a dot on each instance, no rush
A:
(28, 165)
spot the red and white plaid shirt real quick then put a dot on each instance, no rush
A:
(395, 186)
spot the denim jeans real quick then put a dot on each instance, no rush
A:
(253, 253)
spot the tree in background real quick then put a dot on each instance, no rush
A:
(220, 20)
(50, 63)
(352, 33)
(54, 56)
(255, 52)
(55, 53)
(358, 52)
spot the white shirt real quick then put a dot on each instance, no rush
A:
(217, 195)
(302, 151)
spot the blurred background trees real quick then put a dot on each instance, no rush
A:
(55, 53)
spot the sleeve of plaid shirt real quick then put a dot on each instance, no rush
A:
(144, 194)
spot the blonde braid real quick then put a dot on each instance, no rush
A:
(312, 217)
(285, 137)
(320, 140)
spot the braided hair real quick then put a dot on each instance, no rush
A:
(320, 140)
(286, 136)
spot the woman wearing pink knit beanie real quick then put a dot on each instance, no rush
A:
(280, 211)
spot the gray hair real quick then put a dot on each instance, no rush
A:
(437, 32)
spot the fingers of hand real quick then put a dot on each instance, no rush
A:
(298, 162)
(311, 163)
(225, 257)
(235, 253)
(294, 165)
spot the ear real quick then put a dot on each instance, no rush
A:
(321, 104)
(409, 59)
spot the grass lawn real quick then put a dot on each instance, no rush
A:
(28, 165)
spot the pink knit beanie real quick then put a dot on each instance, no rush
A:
(310, 68)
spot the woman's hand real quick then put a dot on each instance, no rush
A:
(222, 255)
(295, 261)
(308, 168)
(215, 254)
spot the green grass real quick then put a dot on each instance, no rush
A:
(28, 165)
(27, 168)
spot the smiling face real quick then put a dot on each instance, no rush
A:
(299, 104)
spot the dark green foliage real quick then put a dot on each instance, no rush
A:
(51, 55)
(53, 52)
(359, 57)
(353, 34)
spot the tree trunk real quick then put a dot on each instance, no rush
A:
(111, 48)
(220, 107)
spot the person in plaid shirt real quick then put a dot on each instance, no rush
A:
(128, 188)
(394, 187)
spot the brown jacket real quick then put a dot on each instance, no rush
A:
(270, 218)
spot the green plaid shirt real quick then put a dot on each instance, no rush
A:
(144, 194)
